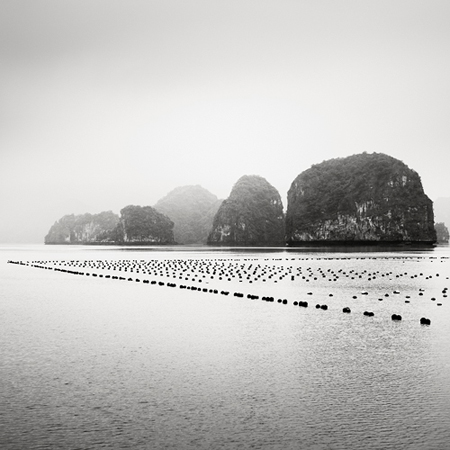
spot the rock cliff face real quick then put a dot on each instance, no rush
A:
(83, 229)
(365, 198)
(251, 216)
(136, 225)
(143, 225)
(192, 210)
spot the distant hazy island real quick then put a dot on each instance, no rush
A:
(362, 199)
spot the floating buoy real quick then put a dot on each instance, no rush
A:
(425, 321)
(346, 310)
(396, 317)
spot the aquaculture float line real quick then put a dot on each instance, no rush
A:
(270, 299)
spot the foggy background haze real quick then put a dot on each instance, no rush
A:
(109, 103)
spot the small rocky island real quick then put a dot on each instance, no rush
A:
(83, 229)
(143, 225)
(192, 210)
(251, 216)
(361, 199)
(137, 225)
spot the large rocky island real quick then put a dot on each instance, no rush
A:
(251, 216)
(137, 225)
(361, 199)
(192, 210)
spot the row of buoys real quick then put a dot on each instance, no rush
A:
(309, 293)
(138, 266)
(228, 269)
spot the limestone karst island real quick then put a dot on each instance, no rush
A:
(361, 199)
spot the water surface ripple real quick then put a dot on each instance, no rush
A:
(94, 362)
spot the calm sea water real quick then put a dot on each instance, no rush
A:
(91, 361)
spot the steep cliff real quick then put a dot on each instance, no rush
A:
(143, 225)
(192, 210)
(83, 229)
(251, 216)
(364, 198)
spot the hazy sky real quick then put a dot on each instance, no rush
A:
(109, 103)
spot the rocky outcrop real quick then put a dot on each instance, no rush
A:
(192, 210)
(251, 216)
(365, 198)
(143, 225)
(442, 234)
(83, 229)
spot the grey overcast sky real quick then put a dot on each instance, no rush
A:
(106, 103)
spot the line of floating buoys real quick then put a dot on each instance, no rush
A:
(225, 270)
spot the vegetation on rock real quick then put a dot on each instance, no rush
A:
(442, 233)
(192, 210)
(361, 198)
(83, 229)
(136, 225)
(143, 225)
(251, 216)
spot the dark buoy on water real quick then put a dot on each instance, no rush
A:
(396, 317)
(346, 310)
(425, 321)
